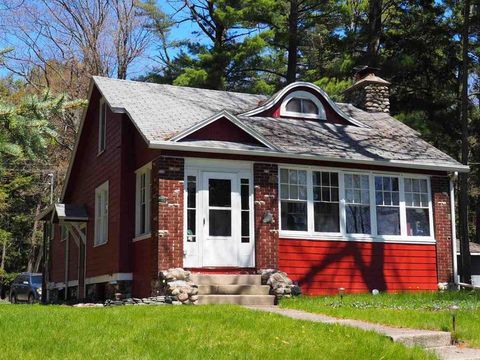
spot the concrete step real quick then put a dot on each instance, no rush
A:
(423, 338)
(456, 353)
(236, 299)
(233, 289)
(224, 279)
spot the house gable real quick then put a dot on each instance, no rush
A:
(223, 130)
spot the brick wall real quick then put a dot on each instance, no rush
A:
(265, 177)
(167, 213)
(442, 227)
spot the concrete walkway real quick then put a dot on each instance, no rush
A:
(436, 341)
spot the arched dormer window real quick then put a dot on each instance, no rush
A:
(302, 104)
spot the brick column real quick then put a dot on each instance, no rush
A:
(265, 179)
(167, 213)
(442, 223)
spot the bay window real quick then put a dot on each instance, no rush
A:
(327, 203)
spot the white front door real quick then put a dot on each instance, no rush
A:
(219, 219)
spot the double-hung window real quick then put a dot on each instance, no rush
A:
(326, 204)
(293, 195)
(101, 214)
(142, 201)
(417, 207)
(357, 204)
(354, 204)
(387, 201)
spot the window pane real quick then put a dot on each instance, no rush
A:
(284, 191)
(219, 192)
(326, 217)
(293, 105)
(302, 177)
(220, 223)
(245, 223)
(309, 107)
(418, 223)
(294, 215)
(334, 179)
(244, 192)
(191, 224)
(388, 220)
(284, 176)
(191, 192)
(358, 219)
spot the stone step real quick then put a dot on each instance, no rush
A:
(236, 299)
(226, 279)
(233, 289)
(423, 338)
(456, 353)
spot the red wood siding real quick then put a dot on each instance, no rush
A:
(223, 130)
(142, 268)
(57, 257)
(322, 267)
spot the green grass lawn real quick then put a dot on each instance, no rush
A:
(181, 332)
(416, 310)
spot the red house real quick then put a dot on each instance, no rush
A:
(336, 195)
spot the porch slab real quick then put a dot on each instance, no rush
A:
(439, 342)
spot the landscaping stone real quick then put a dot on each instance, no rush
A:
(176, 282)
(280, 284)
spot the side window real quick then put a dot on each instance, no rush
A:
(101, 214)
(63, 233)
(102, 126)
(417, 207)
(143, 194)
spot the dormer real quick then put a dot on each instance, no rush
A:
(303, 101)
(302, 104)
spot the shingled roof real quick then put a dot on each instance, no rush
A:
(160, 112)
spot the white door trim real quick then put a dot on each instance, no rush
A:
(194, 251)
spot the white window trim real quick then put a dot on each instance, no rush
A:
(100, 150)
(100, 189)
(307, 96)
(342, 235)
(147, 170)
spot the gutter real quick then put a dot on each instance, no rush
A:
(169, 145)
(454, 230)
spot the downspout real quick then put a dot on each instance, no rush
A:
(454, 232)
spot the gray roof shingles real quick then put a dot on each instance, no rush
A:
(162, 111)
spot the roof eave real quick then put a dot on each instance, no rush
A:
(169, 145)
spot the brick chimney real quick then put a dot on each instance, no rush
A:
(368, 92)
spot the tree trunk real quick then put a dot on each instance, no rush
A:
(4, 254)
(33, 245)
(374, 31)
(477, 220)
(463, 204)
(292, 42)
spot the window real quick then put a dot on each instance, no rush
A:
(102, 126)
(326, 202)
(63, 232)
(417, 207)
(302, 104)
(357, 204)
(293, 195)
(245, 200)
(142, 213)
(191, 208)
(101, 214)
(387, 201)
